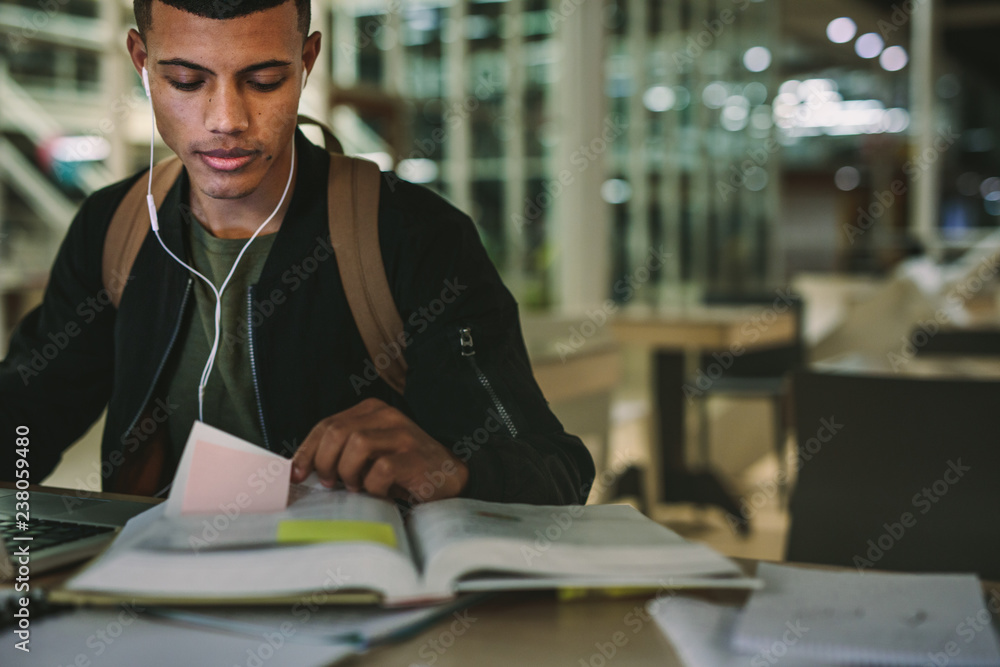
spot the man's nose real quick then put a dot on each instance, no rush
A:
(226, 113)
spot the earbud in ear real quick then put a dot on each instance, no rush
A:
(305, 77)
(145, 82)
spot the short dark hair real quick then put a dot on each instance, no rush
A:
(217, 9)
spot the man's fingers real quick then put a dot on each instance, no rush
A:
(381, 477)
(361, 450)
(364, 407)
(327, 455)
(304, 460)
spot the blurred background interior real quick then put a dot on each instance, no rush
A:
(709, 211)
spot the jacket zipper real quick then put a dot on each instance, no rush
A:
(163, 361)
(253, 368)
(469, 352)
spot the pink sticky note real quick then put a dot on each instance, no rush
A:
(222, 477)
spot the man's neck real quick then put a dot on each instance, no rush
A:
(240, 218)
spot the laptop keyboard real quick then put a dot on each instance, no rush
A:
(46, 532)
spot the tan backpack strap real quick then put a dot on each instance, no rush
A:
(330, 142)
(130, 224)
(352, 197)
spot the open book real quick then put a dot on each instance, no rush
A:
(341, 542)
(232, 537)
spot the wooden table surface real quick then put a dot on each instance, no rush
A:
(536, 629)
(705, 327)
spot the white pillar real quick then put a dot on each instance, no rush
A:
(315, 100)
(117, 77)
(343, 44)
(701, 184)
(458, 145)
(636, 48)
(670, 164)
(924, 41)
(579, 235)
(515, 163)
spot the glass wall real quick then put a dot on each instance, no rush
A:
(694, 83)
(687, 89)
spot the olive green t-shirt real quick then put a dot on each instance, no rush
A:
(230, 401)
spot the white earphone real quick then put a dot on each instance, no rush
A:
(154, 222)
(150, 204)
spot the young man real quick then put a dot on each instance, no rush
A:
(290, 372)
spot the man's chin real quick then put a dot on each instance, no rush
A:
(226, 187)
(227, 193)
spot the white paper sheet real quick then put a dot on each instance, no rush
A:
(359, 625)
(125, 637)
(868, 618)
(219, 473)
(700, 633)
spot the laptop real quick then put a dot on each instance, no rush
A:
(64, 528)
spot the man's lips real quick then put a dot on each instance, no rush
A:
(226, 159)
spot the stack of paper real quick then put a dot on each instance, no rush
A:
(361, 626)
(809, 617)
(127, 636)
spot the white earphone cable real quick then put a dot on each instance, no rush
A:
(206, 372)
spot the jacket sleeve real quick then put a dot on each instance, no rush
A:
(57, 376)
(469, 381)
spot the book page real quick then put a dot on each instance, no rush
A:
(603, 543)
(325, 541)
(232, 529)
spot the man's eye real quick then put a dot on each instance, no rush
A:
(265, 87)
(182, 85)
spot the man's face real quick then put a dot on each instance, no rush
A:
(226, 92)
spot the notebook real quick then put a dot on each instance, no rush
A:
(868, 618)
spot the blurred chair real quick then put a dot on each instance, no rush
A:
(756, 373)
(896, 473)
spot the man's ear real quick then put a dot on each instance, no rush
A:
(136, 50)
(310, 51)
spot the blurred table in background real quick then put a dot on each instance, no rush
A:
(676, 336)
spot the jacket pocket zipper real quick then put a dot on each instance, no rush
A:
(469, 352)
(253, 367)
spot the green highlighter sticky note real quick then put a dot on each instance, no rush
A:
(312, 531)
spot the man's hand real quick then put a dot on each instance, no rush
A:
(374, 447)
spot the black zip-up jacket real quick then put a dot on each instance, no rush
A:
(76, 354)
